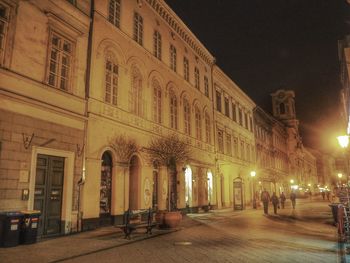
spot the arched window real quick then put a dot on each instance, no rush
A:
(173, 111)
(188, 186)
(135, 96)
(157, 45)
(187, 117)
(106, 185)
(207, 128)
(111, 80)
(157, 102)
(198, 118)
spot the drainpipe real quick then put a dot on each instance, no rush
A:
(81, 182)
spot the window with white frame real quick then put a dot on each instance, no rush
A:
(173, 58)
(135, 95)
(157, 102)
(60, 58)
(114, 12)
(138, 28)
(157, 45)
(206, 86)
(186, 69)
(4, 22)
(196, 78)
(173, 111)
(187, 117)
(220, 141)
(111, 81)
(228, 144)
(198, 118)
(207, 128)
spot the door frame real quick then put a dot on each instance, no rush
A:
(67, 193)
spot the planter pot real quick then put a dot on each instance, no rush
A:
(172, 219)
(160, 219)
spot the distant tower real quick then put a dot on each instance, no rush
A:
(283, 106)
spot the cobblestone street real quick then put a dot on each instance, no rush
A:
(303, 235)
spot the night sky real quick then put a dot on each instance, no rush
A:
(265, 45)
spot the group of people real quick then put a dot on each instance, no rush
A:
(266, 199)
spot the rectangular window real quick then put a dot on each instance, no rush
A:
(235, 147)
(114, 12)
(206, 86)
(196, 78)
(207, 128)
(198, 119)
(240, 116)
(186, 69)
(173, 58)
(246, 120)
(111, 82)
(218, 101)
(221, 141)
(157, 104)
(187, 117)
(173, 111)
(138, 28)
(242, 151)
(228, 145)
(157, 40)
(234, 112)
(4, 20)
(60, 61)
(227, 107)
(251, 123)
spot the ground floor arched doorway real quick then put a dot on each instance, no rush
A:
(134, 182)
(106, 189)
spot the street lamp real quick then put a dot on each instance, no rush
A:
(344, 142)
(253, 174)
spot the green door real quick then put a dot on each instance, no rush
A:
(48, 193)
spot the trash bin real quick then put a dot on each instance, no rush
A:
(29, 227)
(10, 226)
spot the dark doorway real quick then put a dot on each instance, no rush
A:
(48, 193)
(106, 190)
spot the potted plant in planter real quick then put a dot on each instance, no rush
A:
(170, 151)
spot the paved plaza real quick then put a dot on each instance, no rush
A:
(305, 234)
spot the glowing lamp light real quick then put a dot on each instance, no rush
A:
(343, 141)
(308, 184)
(340, 175)
(292, 181)
(252, 173)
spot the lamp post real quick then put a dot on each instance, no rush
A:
(253, 174)
(344, 142)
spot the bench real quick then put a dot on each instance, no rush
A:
(135, 219)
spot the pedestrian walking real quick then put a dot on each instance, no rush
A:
(275, 202)
(328, 195)
(323, 194)
(265, 198)
(283, 199)
(293, 198)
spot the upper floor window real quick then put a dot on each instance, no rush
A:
(173, 58)
(227, 107)
(206, 86)
(218, 101)
(196, 78)
(240, 117)
(186, 69)
(235, 147)
(4, 20)
(135, 95)
(114, 12)
(250, 123)
(220, 141)
(173, 111)
(111, 82)
(207, 128)
(187, 117)
(234, 112)
(198, 118)
(60, 61)
(157, 39)
(157, 102)
(138, 28)
(282, 108)
(228, 145)
(248, 153)
(242, 151)
(246, 120)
